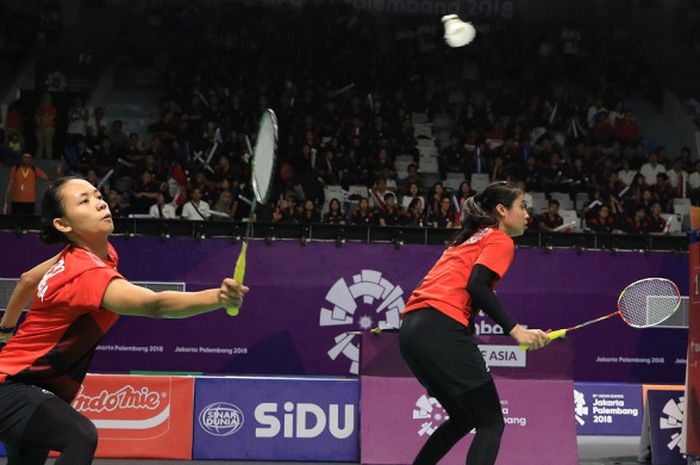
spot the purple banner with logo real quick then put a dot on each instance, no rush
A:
(604, 409)
(306, 302)
(398, 417)
(665, 423)
(276, 419)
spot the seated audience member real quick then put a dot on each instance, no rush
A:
(161, 209)
(550, 220)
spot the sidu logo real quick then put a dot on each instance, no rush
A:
(304, 420)
(124, 398)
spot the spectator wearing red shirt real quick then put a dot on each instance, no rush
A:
(45, 119)
(77, 296)
(436, 337)
(627, 130)
(602, 222)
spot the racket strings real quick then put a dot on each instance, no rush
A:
(648, 302)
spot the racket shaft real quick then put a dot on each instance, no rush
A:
(239, 274)
(590, 322)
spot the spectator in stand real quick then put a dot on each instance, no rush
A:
(626, 174)
(377, 193)
(145, 193)
(364, 215)
(638, 223)
(45, 120)
(13, 149)
(335, 213)
(391, 214)
(657, 223)
(162, 209)
(383, 166)
(452, 157)
(225, 204)
(627, 131)
(602, 221)
(463, 193)
(551, 219)
(415, 213)
(434, 198)
(77, 120)
(117, 206)
(444, 216)
(663, 192)
(97, 124)
(196, 209)
(309, 214)
(652, 168)
(14, 122)
(20, 195)
(290, 213)
(412, 177)
(678, 178)
(116, 134)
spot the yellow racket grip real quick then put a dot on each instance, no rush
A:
(238, 275)
(551, 336)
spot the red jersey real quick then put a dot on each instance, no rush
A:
(444, 288)
(54, 345)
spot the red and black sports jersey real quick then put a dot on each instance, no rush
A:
(54, 345)
(444, 288)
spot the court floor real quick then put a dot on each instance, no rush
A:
(593, 450)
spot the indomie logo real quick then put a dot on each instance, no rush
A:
(126, 397)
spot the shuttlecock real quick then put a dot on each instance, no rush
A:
(457, 32)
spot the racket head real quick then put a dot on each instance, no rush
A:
(264, 155)
(648, 302)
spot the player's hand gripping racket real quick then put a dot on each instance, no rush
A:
(262, 167)
(644, 303)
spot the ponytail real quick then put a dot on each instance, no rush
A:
(479, 211)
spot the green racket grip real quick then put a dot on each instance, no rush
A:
(551, 336)
(238, 275)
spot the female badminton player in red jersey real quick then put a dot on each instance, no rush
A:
(78, 298)
(436, 336)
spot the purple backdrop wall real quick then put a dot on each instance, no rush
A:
(305, 300)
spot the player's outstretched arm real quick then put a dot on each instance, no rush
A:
(128, 299)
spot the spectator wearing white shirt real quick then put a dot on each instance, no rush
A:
(161, 209)
(196, 209)
(677, 176)
(626, 174)
(694, 178)
(652, 168)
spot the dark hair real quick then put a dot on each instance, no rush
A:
(52, 207)
(478, 211)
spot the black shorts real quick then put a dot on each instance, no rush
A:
(442, 354)
(18, 401)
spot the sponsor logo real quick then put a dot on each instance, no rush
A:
(580, 408)
(503, 356)
(304, 420)
(672, 419)
(221, 419)
(370, 301)
(126, 407)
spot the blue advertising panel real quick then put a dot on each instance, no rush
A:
(608, 409)
(276, 419)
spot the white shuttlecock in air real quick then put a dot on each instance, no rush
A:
(457, 32)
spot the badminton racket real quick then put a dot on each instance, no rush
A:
(643, 304)
(262, 167)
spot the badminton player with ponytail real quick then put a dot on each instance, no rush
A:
(436, 336)
(79, 296)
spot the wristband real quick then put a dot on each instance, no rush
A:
(4, 330)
